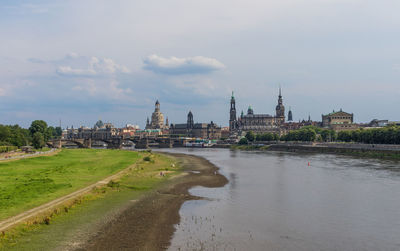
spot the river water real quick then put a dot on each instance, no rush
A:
(292, 201)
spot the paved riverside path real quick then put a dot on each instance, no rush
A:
(22, 217)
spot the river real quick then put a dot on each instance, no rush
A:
(293, 201)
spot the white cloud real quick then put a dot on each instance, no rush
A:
(68, 70)
(95, 66)
(176, 66)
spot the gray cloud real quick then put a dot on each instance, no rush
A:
(178, 66)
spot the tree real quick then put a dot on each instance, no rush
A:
(250, 136)
(58, 131)
(243, 141)
(50, 132)
(344, 136)
(5, 134)
(325, 135)
(38, 126)
(38, 140)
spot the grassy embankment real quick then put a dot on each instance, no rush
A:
(27, 183)
(54, 176)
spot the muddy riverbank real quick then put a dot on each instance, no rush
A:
(149, 223)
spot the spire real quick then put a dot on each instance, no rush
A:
(280, 91)
(190, 121)
(233, 95)
(290, 114)
(157, 106)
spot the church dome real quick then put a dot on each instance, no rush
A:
(250, 110)
(99, 124)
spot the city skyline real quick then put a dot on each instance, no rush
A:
(59, 62)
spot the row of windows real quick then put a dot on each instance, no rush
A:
(341, 117)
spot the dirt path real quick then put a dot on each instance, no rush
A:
(24, 156)
(32, 213)
(149, 223)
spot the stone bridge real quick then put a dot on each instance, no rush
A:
(117, 142)
(114, 143)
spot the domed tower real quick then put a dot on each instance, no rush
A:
(280, 109)
(190, 121)
(157, 109)
(157, 118)
(250, 111)
(232, 118)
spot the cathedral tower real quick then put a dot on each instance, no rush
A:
(232, 118)
(190, 122)
(280, 109)
(290, 115)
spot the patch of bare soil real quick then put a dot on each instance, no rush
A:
(149, 223)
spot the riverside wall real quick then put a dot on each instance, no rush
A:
(336, 148)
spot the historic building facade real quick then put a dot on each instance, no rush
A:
(257, 122)
(100, 131)
(196, 130)
(339, 121)
(157, 119)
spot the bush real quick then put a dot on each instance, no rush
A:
(113, 184)
(147, 158)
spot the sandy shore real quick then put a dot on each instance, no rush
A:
(149, 223)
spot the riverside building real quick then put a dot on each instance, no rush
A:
(196, 130)
(257, 122)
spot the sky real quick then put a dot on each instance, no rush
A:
(81, 61)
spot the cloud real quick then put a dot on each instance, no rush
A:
(69, 71)
(177, 66)
(93, 66)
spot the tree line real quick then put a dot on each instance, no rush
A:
(386, 135)
(36, 135)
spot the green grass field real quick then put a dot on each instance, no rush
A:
(27, 183)
(94, 208)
